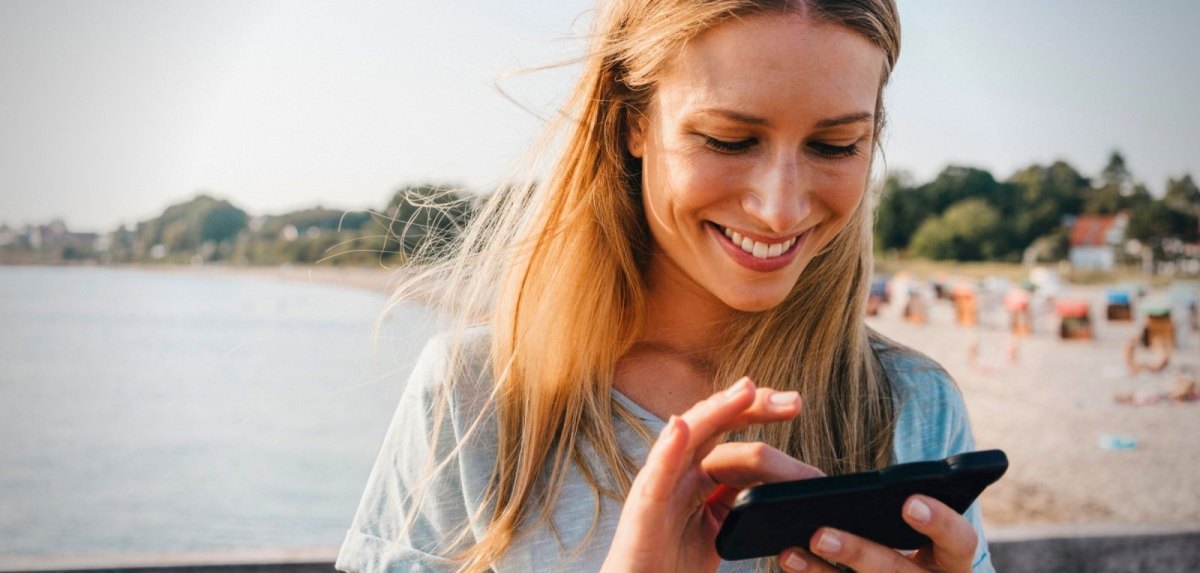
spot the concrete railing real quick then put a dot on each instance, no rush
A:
(1056, 549)
(282, 561)
(1096, 549)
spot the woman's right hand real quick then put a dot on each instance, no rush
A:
(684, 491)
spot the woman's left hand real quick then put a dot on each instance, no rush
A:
(951, 548)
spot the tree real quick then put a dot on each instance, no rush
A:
(1182, 195)
(222, 223)
(902, 208)
(1116, 173)
(1047, 194)
(318, 217)
(184, 227)
(970, 230)
(956, 183)
(1116, 185)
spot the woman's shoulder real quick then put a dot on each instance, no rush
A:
(456, 361)
(911, 373)
(931, 417)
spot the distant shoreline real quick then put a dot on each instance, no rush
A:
(377, 279)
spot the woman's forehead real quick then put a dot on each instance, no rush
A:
(775, 66)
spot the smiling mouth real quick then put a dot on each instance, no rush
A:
(758, 249)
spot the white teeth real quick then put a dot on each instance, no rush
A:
(759, 250)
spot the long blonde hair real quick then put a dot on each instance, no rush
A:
(556, 271)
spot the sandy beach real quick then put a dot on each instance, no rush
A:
(1051, 408)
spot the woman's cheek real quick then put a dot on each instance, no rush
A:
(842, 188)
(845, 200)
(703, 181)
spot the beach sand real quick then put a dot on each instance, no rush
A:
(1050, 409)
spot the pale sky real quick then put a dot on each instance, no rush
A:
(111, 110)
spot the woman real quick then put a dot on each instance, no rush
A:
(701, 254)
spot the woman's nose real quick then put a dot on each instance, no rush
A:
(779, 196)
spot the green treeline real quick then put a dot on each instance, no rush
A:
(965, 214)
(417, 221)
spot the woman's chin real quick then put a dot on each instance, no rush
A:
(755, 302)
(762, 293)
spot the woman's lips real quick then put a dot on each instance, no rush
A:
(787, 249)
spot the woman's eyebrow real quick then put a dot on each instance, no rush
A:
(735, 116)
(739, 117)
(845, 119)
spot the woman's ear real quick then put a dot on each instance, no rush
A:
(635, 140)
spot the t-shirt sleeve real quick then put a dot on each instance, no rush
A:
(932, 425)
(381, 537)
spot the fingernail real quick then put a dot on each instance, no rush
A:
(919, 511)
(737, 387)
(829, 543)
(794, 563)
(784, 399)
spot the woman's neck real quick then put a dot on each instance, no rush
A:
(683, 316)
(672, 365)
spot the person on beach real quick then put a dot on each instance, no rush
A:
(674, 314)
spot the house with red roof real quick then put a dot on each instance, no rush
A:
(1095, 240)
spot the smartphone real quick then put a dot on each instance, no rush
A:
(769, 518)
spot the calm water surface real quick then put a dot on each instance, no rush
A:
(146, 411)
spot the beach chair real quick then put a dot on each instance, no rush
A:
(966, 304)
(1118, 307)
(1159, 329)
(1075, 319)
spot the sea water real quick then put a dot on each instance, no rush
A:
(150, 411)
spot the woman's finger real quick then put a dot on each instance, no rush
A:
(858, 553)
(737, 465)
(734, 408)
(953, 539)
(659, 478)
(769, 405)
(707, 417)
(796, 559)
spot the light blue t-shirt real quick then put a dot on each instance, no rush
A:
(932, 424)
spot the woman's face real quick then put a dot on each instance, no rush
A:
(755, 150)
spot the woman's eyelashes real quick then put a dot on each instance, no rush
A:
(834, 151)
(736, 146)
(726, 146)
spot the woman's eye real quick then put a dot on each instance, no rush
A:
(736, 146)
(834, 151)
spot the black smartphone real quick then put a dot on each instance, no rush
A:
(769, 518)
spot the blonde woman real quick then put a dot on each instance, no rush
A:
(677, 313)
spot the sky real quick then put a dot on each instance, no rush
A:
(112, 110)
